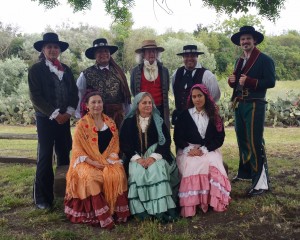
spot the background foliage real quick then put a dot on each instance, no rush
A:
(17, 55)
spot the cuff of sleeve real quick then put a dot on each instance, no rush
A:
(80, 159)
(232, 85)
(187, 149)
(135, 158)
(54, 114)
(156, 156)
(70, 111)
(204, 149)
(251, 82)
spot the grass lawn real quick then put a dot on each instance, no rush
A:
(282, 89)
(275, 215)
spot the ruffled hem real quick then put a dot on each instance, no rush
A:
(152, 207)
(150, 192)
(204, 190)
(94, 210)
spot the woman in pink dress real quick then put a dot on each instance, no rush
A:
(198, 135)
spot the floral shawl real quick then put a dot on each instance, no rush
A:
(85, 143)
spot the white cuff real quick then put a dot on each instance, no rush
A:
(204, 149)
(54, 114)
(156, 156)
(114, 158)
(187, 149)
(70, 111)
(80, 159)
(135, 158)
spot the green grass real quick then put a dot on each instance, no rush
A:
(274, 215)
(282, 89)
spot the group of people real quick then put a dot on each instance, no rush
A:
(121, 162)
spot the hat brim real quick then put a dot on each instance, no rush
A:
(183, 53)
(259, 37)
(90, 52)
(139, 50)
(39, 45)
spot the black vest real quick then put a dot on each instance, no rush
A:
(180, 92)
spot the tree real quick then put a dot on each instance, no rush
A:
(120, 9)
(12, 72)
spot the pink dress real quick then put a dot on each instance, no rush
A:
(204, 180)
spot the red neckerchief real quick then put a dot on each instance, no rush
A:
(57, 64)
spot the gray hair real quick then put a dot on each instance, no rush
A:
(139, 57)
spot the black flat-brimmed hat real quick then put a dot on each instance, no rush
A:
(99, 43)
(149, 44)
(190, 49)
(259, 37)
(50, 37)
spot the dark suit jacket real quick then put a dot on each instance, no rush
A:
(42, 88)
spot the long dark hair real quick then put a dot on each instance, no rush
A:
(211, 108)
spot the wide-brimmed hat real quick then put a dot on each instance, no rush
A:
(99, 43)
(149, 44)
(259, 37)
(50, 37)
(190, 49)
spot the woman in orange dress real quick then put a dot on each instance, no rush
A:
(96, 191)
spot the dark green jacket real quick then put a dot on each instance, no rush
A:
(260, 72)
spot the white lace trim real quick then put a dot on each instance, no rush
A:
(80, 159)
(143, 122)
(221, 188)
(192, 193)
(54, 69)
(204, 192)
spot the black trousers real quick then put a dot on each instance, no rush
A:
(50, 134)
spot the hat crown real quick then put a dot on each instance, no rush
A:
(190, 47)
(100, 42)
(149, 43)
(50, 37)
(247, 29)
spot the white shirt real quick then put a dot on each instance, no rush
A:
(209, 80)
(144, 122)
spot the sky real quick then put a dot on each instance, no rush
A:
(30, 17)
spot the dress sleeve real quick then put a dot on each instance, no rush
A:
(216, 141)
(164, 149)
(179, 133)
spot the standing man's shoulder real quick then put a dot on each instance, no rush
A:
(266, 57)
(37, 66)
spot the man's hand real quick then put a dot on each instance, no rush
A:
(242, 79)
(231, 78)
(62, 118)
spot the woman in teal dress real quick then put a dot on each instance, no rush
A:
(152, 171)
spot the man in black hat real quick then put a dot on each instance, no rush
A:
(106, 77)
(188, 75)
(254, 73)
(54, 96)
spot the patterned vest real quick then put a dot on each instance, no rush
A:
(106, 82)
